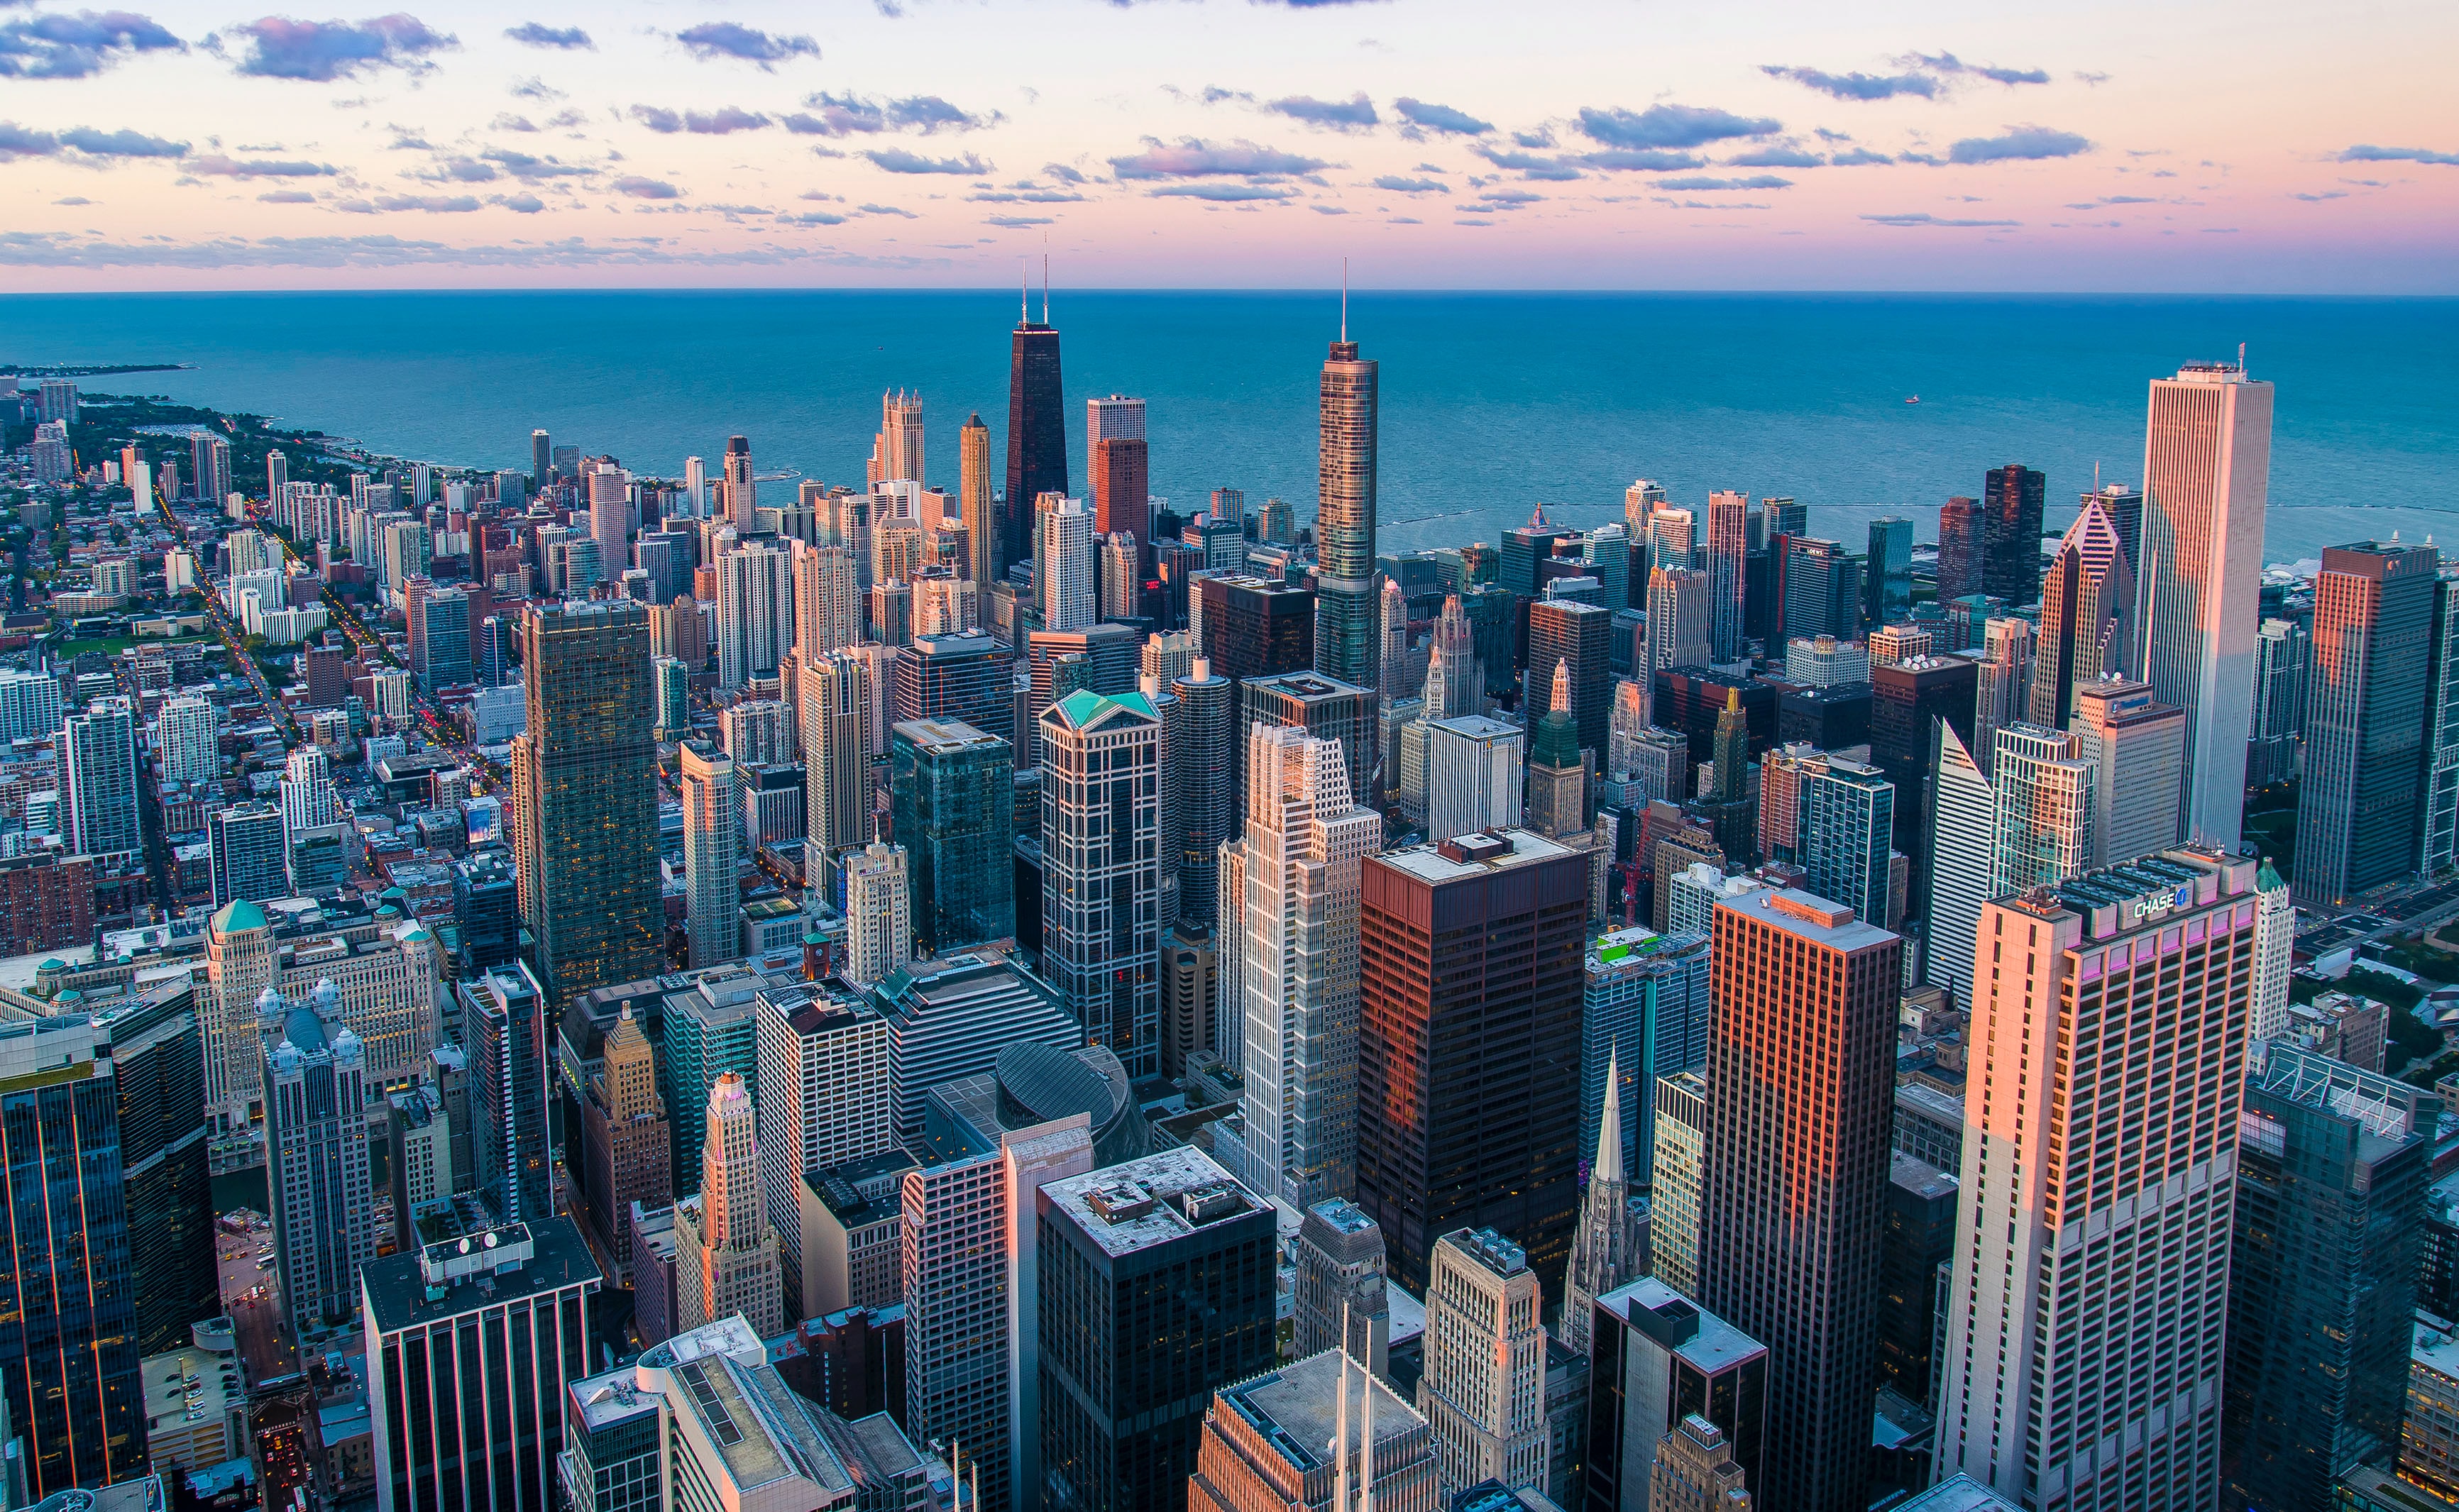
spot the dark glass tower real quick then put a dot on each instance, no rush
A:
(2010, 546)
(68, 1313)
(156, 1063)
(1036, 430)
(2333, 1163)
(584, 785)
(1959, 549)
(953, 794)
(1344, 523)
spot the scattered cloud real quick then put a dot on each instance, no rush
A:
(1553, 169)
(888, 210)
(723, 121)
(656, 118)
(459, 170)
(321, 52)
(1755, 181)
(1442, 119)
(1776, 158)
(434, 205)
(79, 46)
(508, 121)
(1025, 190)
(520, 203)
(2020, 144)
(811, 218)
(2095, 80)
(1014, 222)
(2364, 153)
(711, 40)
(2317, 198)
(1855, 86)
(1925, 218)
(538, 34)
(1950, 63)
(1856, 158)
(1671, 126)
(80, 199)
(1355, 114)
(1638, 162)
(897, 161)
(851, 115)
(1063, 174)
(1192, 158)
(639, 188)
(530, 168)
(219, 166)
(95, 143)
(285, 197)
(536, 89)
(1399, 185)
(1223, 193)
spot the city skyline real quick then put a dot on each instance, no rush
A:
(453, 147)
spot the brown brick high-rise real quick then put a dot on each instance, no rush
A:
(1793, 1204)
(1471, 965)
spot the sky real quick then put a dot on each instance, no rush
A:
(2253, 146)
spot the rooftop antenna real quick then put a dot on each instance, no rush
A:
(1344, 300)
(1023, 292)
(1045, 278)
(2240, 359)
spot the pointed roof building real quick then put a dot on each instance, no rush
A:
(1611, 1247)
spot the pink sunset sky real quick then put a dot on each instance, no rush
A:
(2245, 147)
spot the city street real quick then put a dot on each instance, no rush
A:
(253, 1298)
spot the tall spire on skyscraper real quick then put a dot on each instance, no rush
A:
(1036, 424)
(1347, 646)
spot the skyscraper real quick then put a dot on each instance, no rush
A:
(1261, 1449)
(316, 1145)
(248, 854)
(1340, 1285)
(1562, 632)
(1484, 1388)
(1064, 567)
(896, 452)
(1681, 630)
(1473, 775)
(952, 795)
(1120, 469)
(878, 911)
(835, 727)
(504, 1029)
(827, 602)
(1887, 577)
(712, 851)
(98, 755)
(2044, 788)
(2437, 835)
(1203, 753)
(1558, 769)
(1847, 834)
(1907, 698)
(1962, 549)
(742, 490)
(824, 1102)
(1037, 426)
(2359, 807)
(1727, 543)
(2333, 1164)
(1611, 1245)
(2206, 476)
(1100, 884)
(2087, 613)
(1344, 525)
(1469, 1104)
(2011, 529)
(584, 785)
(69, 1357)
(1800, 1071)
(724, 1247)
(2137, 750)
(985, 533)
(628, 1146)
(755, 613)
(1965, 826)
(1291, 946)
(2071, 1133)
(2002, 683)
(1660, 1362)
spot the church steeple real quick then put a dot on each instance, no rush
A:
(1611, 1245)
(1609, 1162)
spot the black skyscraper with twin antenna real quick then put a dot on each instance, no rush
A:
(1037, 428)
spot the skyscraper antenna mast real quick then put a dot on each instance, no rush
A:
(1023, 292)
(1045, 278)
(1344, 300)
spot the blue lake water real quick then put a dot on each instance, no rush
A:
(1491, 403)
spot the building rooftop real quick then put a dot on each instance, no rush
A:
(943, 735)
(1476, 726)
(840, 1188)
(1958, 1493)
(1921, 1177)
(1473, 855)
(1703, 1340)
(1150, 1201)
(1295, 1408)
(1808, 915)
(444, 1280)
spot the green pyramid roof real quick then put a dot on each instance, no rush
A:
(238, 915)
